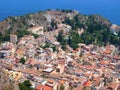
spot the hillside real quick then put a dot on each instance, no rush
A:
(97, 29)
(43, 18)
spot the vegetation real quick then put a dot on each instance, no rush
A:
(62, 40)
(74, 23)
(100, 38)
(67, 11)
(71, 88)
(35, 35)
(73, 40)
(43, 75)
(64, 10)
(54, 48)
(5, 37)
(22, 60)
(96, 30)
(62, 87)
(84, 88)
(95, 33)
(47, 45)
(26, 85)
(21, 33)
(54, 25)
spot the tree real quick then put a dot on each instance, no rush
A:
(22, 86)
(35, 35)
(71, 88)
(96, 32)
(26, 85)
(47, 45)
(22, 60)
(62, 40)
(54, 25)
(43, 75)
(73, 40)
(84, 88)
(21, 33)
(60, 36)
(75, 23)
(62, 87)
(64, 47)
(54, 48)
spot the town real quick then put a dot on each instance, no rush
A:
(47, 66)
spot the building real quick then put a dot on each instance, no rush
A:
(65, 28)
(13, 38)
(60, 68)
(37, 30)
(114, 29)
(42, 87)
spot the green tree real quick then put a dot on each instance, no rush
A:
(22, 86)
(62, 87)
(54, 48)
(54, 25)
(26, 85)
(22, 60)
(60, 36)
(62, 40)
(64, 47)
(74, 40)
(21, 33)
(71, 88)
(35, 35)
(47, 45)
(84, 88)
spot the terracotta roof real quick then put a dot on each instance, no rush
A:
(50, 81)
(89, 67)
(107, 51)
(41, 87)
(87, 83)
(19, 51)
(62, 81)
(104, 62)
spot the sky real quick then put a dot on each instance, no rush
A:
(108, 8)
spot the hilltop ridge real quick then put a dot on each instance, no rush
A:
(44, 18)
(97, 29)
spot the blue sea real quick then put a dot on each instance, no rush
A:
(110, 9)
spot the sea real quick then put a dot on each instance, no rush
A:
(109, 9)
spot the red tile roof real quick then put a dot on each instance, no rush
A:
(42, 87)
(87, 83)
